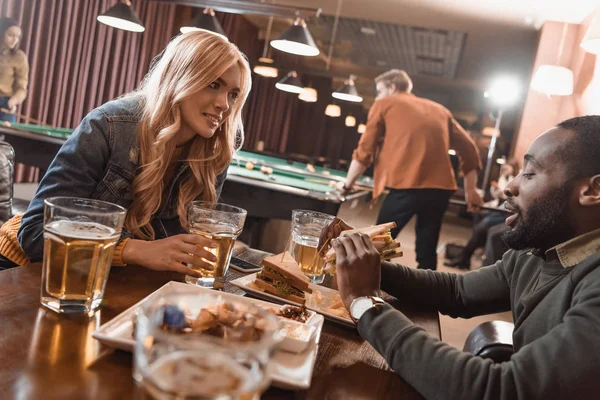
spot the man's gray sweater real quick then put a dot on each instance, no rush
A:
(556, 337)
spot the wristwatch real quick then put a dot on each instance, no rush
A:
(361, 304)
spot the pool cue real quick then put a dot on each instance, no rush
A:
(35, 121)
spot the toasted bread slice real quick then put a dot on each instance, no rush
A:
(372, 230)
(269, 288)
(286, 271)
(378, 231)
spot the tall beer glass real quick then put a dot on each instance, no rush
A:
(306, 230)
(79, 239)
(222, 224)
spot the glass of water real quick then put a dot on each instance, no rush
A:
(201, 346)
(306, 230)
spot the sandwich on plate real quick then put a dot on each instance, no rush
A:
(283, 278)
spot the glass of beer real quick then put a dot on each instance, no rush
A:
(306, 230)
(202, 346)
(79, 239)
(222, 224)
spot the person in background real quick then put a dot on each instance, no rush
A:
(480, 230)
(153, 151)
(550, 280)
(14, 70)
(412, 136)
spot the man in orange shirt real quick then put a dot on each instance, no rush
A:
(411, 137)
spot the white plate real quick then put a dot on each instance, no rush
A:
(290, 371)
(246, 284)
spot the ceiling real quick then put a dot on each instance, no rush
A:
(451, 48)
(373, 44)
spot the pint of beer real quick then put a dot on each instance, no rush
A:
(306, 230)
(79, 239)
(222, 224)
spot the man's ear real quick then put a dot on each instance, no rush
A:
(590, 193)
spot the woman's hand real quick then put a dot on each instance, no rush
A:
(168, 254)
(13, 102)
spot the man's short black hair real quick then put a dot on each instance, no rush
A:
(582, 155)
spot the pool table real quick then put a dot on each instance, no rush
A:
(291, 185)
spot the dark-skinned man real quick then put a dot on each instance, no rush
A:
(550, 280)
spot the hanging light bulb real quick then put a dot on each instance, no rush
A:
(350, 121)
(554, 80)
(263, 69)
(297, 40)
(122, 16)
(348, 91)
(290, 83)
(333, 110)
(309, 95)
(264, 66)
(591, 41)
(362, 128)
(205, 21)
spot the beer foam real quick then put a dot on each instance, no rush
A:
(80, 229)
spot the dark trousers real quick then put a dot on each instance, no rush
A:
(479, 234)
(3, 116)
(429, 206)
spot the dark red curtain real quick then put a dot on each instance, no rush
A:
(76, 64)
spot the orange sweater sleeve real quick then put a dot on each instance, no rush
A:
(10, 248)
(9, 244)
(464, 146)
(371, 140)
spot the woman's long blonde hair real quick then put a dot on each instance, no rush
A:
(189, 63)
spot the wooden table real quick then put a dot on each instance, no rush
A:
(51, 356)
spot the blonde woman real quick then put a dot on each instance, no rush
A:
(152, 151)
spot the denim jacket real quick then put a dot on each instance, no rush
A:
(99, 161)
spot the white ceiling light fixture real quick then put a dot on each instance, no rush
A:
(591, 41)
(554, 80)
(264, 67)
(333, 110)
(122, 16)
(362, 128)
(350, 121)
(309, 95)
(290, 83)
(348, 92)
(297, 40)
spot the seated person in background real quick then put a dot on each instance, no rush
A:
(153, 151)
(550, 281)
(492, 218)
(495, 247)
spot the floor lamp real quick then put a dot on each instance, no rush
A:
(503, 92)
